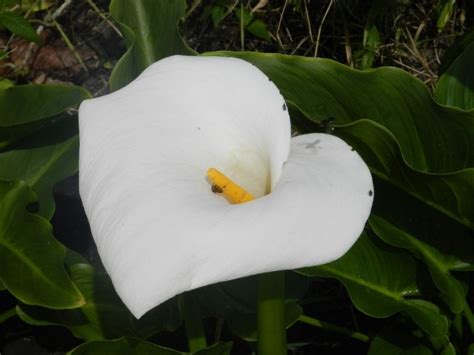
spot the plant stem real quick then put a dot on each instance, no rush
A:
(192, 322)
(271, 314)
(334, 328)
(7, 315)
(457, 325)
(469, 317)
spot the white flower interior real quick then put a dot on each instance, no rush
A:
(160, 230)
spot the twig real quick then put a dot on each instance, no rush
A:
(279, 24)
(101, 14)
(193, 7)
(308, 21)
(299, 45)
(48, 18)
(69, 44)
(261, 4)
(321, 27)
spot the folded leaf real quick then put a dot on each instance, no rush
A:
(122, 346)
(132, 346)
(103, 316)
(399, 339)
(26, 108)
(381, 281)
(29, 254)
(41, 168)
(150, 31)
(456, 86)
(19, 26)
(437, 253)
(449, 193)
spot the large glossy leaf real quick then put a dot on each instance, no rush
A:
(31, 260)
(381, 281)
(399, 339)
(132, 346)
(456, 49)
(150, 31)
(449, 193)
(41, 168)
(104, 316)
(433, 139)
(122, 346)
(25, 108)
(456, 86)
(438, 253)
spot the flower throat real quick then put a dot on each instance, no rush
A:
(223, 185)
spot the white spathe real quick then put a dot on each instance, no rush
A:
(160, 230)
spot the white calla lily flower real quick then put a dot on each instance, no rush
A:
(159, 228)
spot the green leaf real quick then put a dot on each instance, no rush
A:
(445, 11)
(255, 26)
(150, 31)
(5, 83)
(122, 346)
(399, 105)
(399, 340)
(133, 346)
(41, 168)
(448, 193)
(456, 49)
(31, 260)
(216, 349)
(371, 42)
(103, 316)
(471, 349)
(437, 253)
(18, 25)
(456, 86)
(26, 108)
(218, 13)
(449, 350)
(377, 11)
(381, 281)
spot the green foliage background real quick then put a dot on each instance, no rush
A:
(413, 262)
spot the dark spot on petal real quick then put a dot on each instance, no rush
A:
(216, 189)
(313, 144)
(284, 107)
(371, 192)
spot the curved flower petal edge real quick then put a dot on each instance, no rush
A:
(159, 228)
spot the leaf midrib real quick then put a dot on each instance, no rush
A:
(371, 286)
(44, 168)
